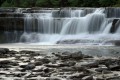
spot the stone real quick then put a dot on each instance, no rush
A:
(19, 74)
(87, 78)
(63, 56)
(87, 56)
(26, 52)
(99, 79)
(52, 65)
(68, 63)
(90, 64)
(115, 25)
(7, 63)
(77, 55)
(113, 66)
(68, 55)
(13, 52)
(79, 68)
(101, 69)
(29, 66)
(114, 78)
(113, 42)
(38, 63)
(53, 78)
(77, 76)
(44, 60)
(68, 69)
(4, 50)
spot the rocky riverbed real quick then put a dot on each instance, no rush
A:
(37, 65)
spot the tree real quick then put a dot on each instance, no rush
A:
(6, 4)
(1, 2)
(117, 3)
(64, 3)
(55, 3)
(43, 3)
(59, 3)
(73, 3)
(106, 3)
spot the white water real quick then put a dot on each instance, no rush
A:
(46, 28)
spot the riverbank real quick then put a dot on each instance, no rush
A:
(56, 65)
(93, 50)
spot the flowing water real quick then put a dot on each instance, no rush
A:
(47, 26)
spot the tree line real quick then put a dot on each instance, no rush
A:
(59, 3)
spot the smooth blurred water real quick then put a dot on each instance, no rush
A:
(90, 26)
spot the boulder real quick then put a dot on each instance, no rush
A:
(4, 50)
(114, 26)
(77, 76)
(87, 78)
(113, 42)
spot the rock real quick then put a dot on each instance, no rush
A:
(43, 74)
(64, 69)
(13, 52)
(26, 52)
(38, 63)
(113, 42)
(101, 69)
(88, 78)
(5, 66)
(52, 65)
(114, 78)
(90, 65)
(77, 76)
(64, 55)
(77, 55)
(69, 63)
(113, 66)
(99, 79)
(23, 65)
(53, 78)
(44, 60)
(79, 68)
(7, 63)
(87, 56)
(29, 66)
(4, 50)
(65, 66)
(14, 63)
(115, 25)
(19, 74)
(68, 55)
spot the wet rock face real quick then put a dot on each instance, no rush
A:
(113, 42)
(9, 23)
(33, 65)
(115, 25)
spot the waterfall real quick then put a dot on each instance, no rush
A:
(71, 25)
(48, 25)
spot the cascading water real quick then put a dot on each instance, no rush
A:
(88, 25)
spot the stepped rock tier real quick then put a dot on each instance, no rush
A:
(60, 25)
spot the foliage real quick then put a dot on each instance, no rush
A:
(55, 3)
(117, 4)
(6, 4)
(73, 2)
(59, 3)
(106, 3)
